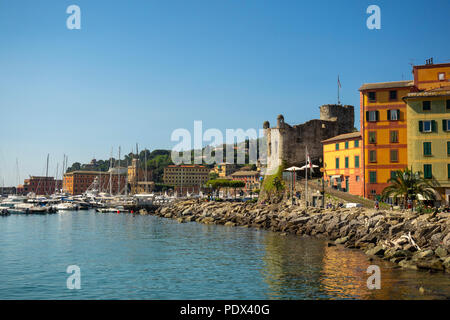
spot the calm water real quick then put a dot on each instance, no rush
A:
(123, 256)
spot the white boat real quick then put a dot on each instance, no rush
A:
(66, 206)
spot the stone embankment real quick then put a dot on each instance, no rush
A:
(410, 240)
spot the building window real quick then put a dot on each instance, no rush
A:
(346, 144)
(427, 126)
(393, 95)
(337, 146)
(372, 137)
(372, 96)
(356, 161)
(393, 174)
(372, 176)
(357, 178)
(356, 143)
(346, 162)
(448, 170)
(426, 105)
(372, 156)
(441, 76)
(393, 115)
(448, 148)
(394, 137)
(394, 155)
(427, 148)
(337, 163)
(427, 171)
(372, 116)
(445, 125)
(448, 104)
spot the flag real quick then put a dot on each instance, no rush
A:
(308, 161)
(339, 83)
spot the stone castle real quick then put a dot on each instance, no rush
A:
(286, 144)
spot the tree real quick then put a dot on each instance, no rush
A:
(213, 176)
(408, 185)
(236, 184)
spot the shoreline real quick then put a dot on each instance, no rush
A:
(409, 240)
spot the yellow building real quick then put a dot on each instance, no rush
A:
(343, 162)
(139, 179)
(186, 178)
(225, 169)
(383, 129)
(429, 125)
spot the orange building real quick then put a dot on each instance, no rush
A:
(342, 157)
(249, 177)
(41, 185)
(384, 133)
(77, 182)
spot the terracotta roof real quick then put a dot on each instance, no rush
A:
(345, 136)
(245, 173)
(437, 92)
(386, 85)
(186, 166)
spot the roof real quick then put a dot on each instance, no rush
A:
(345, 136)
(437, 92)
(90, 172)
(185, 166)
(244, 173)
(386, 85)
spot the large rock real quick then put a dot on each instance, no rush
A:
(431, 264)
(395, 229)
(441, 252)
(376, 251)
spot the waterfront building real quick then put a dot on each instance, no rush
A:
(186, 178)
(4, 191)
(428, 112)
(77, 182)
(342, 161)
(225, 169)
(384, 133)
(139, 179)
(250, 177)
(41, 185)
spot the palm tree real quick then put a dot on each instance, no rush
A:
(409, 185)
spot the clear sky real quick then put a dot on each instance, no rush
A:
(137, 70)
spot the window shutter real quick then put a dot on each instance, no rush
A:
(367, 115)
(378, 115)
(389, 114)
(444, 125)
(433, 126)
(420, 126)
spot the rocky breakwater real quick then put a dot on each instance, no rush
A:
(410, 240)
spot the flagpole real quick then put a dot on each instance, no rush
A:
(338, 87)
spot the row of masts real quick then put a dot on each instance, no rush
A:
(111, 166)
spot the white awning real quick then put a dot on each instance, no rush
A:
(436, 194)
(293, 169)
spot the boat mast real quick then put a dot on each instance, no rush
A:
(118, 175)
(146, 185)
(46, 177)
(56, 177)
(110, 172)
(17, 173)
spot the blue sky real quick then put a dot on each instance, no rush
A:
(137, 70)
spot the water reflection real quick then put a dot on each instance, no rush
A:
(308, 269)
